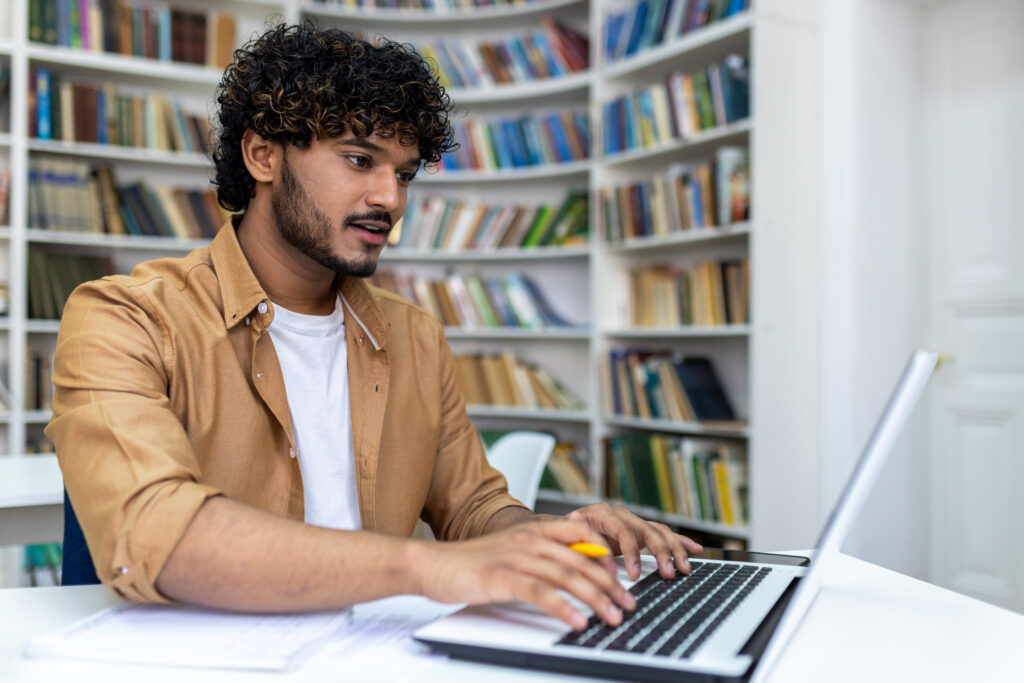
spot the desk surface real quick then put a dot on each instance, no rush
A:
(868, 623)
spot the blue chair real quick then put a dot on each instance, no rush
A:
(76, 567)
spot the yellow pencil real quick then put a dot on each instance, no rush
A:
(590, 549)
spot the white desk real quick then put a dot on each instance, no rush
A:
(31, 500)
(867, 624)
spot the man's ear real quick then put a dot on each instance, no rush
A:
(260, 156)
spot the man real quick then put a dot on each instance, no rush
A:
(252, 427)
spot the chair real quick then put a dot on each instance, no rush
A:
(521, 457)
(76, 564)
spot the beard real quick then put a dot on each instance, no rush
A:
(309, 230)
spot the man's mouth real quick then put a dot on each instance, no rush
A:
(372, 231)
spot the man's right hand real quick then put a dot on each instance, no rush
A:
(530, 562)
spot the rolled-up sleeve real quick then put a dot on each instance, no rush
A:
(465, 491)
(128, 466)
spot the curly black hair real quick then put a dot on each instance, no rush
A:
(294, 83)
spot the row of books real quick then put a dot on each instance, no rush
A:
(138, 28)
(440, 6)
(447, 224)
(553, 51)
(702, 479)
(42, 565)
(678, 108)
(663, 386)
(687, 197)
(474, 302)
(649, 23)
(38, 380)
(73, 196)
(504, 380)
(487, 144)
(38, 444)
(52, 276)
(60, 109)
(709, 293)
(565, 471)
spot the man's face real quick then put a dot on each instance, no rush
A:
(338, 199)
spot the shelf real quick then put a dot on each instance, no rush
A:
(515, 333)
(513, 413)
(442, 15)
(733, 133)
(680, 332)
(6, 47)
(737, 431)
(725, 35)
(147, 243)
(543, 172)
(517, 92)
(398, 255)
(176, 73)
(37, 416)
(558, 498)
(42, 326)
(116, 152)
(683, 238)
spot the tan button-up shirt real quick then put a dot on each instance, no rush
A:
(168, 392)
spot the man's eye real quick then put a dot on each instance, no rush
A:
(359, 161)
(406, 176)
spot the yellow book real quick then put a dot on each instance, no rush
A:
(722, 491)
(662, 474)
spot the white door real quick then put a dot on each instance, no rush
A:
(974, 190)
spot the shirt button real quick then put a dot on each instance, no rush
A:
(262, 308)
(122, 570)
(360, 340)
(291, 453)
(247, 321)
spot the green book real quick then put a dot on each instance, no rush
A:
(541, 223)
(480, 300)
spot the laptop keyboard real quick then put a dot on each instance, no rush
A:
(674, 617)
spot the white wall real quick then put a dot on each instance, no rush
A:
(874, 265)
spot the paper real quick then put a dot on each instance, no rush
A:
(192, 637)
(377, 642)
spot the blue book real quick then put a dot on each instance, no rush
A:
(554, 126)
(534, 150)
(494, 128)
(610, 124)
(637, 29)
(613, 24)
(502, 308)
(736, 71)
(582, 121)
(101, 116)
(518, 52)
(63, 22)
(516, 146)
(543, 46)
(634, 137)
(164, 32)
(44, 125)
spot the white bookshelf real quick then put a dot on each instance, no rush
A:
(780, 40)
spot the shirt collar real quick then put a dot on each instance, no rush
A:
(241, 292)
(239, 289)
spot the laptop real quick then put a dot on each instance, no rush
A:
(728, 620)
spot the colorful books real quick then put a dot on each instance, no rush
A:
(152, 30)
(504, 380)
(54, 275)
(448, 224)
(491, 144)
(701, 479)
(708, 293)
(679, 107)
(649, 23)
(73, 196)
(474, 302)
(73, 111)
(659, 385)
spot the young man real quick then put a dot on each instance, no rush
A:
(252, 427)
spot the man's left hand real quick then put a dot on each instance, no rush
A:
(627, 534)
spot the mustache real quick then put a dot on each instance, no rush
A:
(381, 216)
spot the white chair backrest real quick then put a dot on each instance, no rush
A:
(521, 457)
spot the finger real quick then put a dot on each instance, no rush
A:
(584, 579)
(569, 532)
(539, 592)
(667, 548)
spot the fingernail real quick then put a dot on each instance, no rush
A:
(634, 567)
(579, 622)
(613, 614)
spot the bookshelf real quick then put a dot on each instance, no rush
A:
(586, 282)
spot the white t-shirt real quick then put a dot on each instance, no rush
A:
(314, 362)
